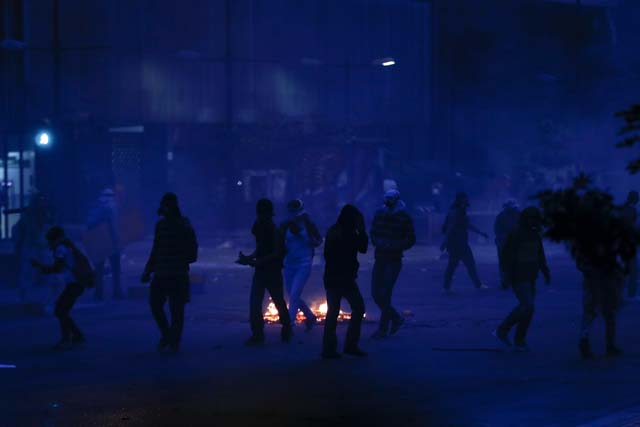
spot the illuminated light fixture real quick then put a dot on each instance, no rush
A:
(239, 183)
(7, 366)
(385, 62)
(43, 139)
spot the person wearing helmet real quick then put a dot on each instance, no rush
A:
(174, 247)
(523, 258)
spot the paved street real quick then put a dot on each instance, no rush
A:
(442, 369)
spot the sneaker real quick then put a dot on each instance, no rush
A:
(331, 355)
(63, 345)
(286, 334)
(585, 349)
(379, 335)
(613, 351)
(310, 323)
(396, 324)
(482, 287)
(355, 351)
(254, 341)
(503, 338)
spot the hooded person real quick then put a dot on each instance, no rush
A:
(175, 247)
(506, 221)
(523, 258)
(344, 240)
(392, 233)
(456, 229)
(301, 238)
(266, 260)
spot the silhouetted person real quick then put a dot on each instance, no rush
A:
(505, 223)
(301, 237)
(175, 246)
(456, 229)
(521, 260)
(105, 213)
(392, 233)
(345, 239)
(267, 262)
(601, 291)
(76, 273)
(630, 216)
(30, 241)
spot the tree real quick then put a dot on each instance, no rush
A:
(630, 133)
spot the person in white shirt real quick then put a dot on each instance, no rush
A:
(63, 265)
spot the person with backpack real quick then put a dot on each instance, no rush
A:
(392, 233)
(456, 229)
(175, 247)
(267, 263)
(77, 274)
(301, 237)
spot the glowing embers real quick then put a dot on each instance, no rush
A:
(320, 311)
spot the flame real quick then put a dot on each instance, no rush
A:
(320, 311)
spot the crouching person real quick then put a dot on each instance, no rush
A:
(76, 272)
(174, 247)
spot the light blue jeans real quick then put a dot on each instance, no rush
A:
(296, 277)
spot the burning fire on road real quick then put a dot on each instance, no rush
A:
(320, 310)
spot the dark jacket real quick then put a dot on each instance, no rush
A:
(456, 228)
(171, 252)
(269, 251)
(523, 256)
(341, 256)
(506, 222)
(392, 232)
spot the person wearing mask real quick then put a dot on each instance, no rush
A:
(456, 229)
(105, 213)
(301, 237)
(344, 240)
(522, 259)
(392, 233)
(505, 223)
(175, 247)
(630, 216)
(74, 269)
(267, 263)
